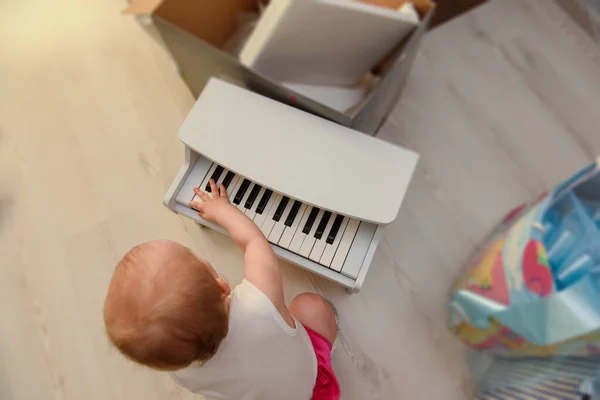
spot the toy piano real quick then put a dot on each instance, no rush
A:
(321, 193)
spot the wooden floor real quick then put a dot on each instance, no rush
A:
(502, 104)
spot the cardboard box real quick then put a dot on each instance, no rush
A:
(195, 32)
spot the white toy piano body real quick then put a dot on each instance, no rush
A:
(321, 193)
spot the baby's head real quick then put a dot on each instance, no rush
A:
(166, 308)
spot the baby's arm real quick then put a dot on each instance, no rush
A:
(261, 266)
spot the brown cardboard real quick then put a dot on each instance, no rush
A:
(142, 7)
(194, 31)
(213, 21)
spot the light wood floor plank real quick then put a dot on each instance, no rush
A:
(501, 103)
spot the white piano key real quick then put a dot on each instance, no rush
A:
(219, 172)
(227, 186)
(246, 195)
(205, 182)
(319, 247)
(233, 188)
(196, 176)
(240, 192)
(293, 214)
(222, 177)
(279, 226)
(259, 219)
(330, 249)
(289, 231)
(345, 244)
(299, 235)
(309, 240)
(218, 181)
(251, 212)
(269, 223)
(358, 250)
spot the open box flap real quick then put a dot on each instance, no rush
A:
(370, 115)
(199, 61)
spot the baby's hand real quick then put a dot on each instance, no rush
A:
(212, 204)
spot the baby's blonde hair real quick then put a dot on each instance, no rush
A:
(164, 307)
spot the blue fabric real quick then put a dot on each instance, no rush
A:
(567, 224)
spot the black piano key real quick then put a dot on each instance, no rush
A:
(228, 179)
(216, 174)
(293, 212)
(335, 228)
(322, 225)
(282, 205)
(311, 220)
(252, 196)
(263, 202)
(241, 192)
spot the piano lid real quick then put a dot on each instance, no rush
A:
(298, 154)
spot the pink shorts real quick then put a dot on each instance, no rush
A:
(326, 386)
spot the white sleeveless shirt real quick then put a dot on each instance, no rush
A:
(261, 358)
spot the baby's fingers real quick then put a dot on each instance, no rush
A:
(196, 205)
(222, 190)
(201, 194)
(213, 188)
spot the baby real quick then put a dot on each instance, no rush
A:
(171, 311)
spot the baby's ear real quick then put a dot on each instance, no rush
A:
(224, 286)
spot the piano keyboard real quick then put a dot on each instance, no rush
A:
(318, 235)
